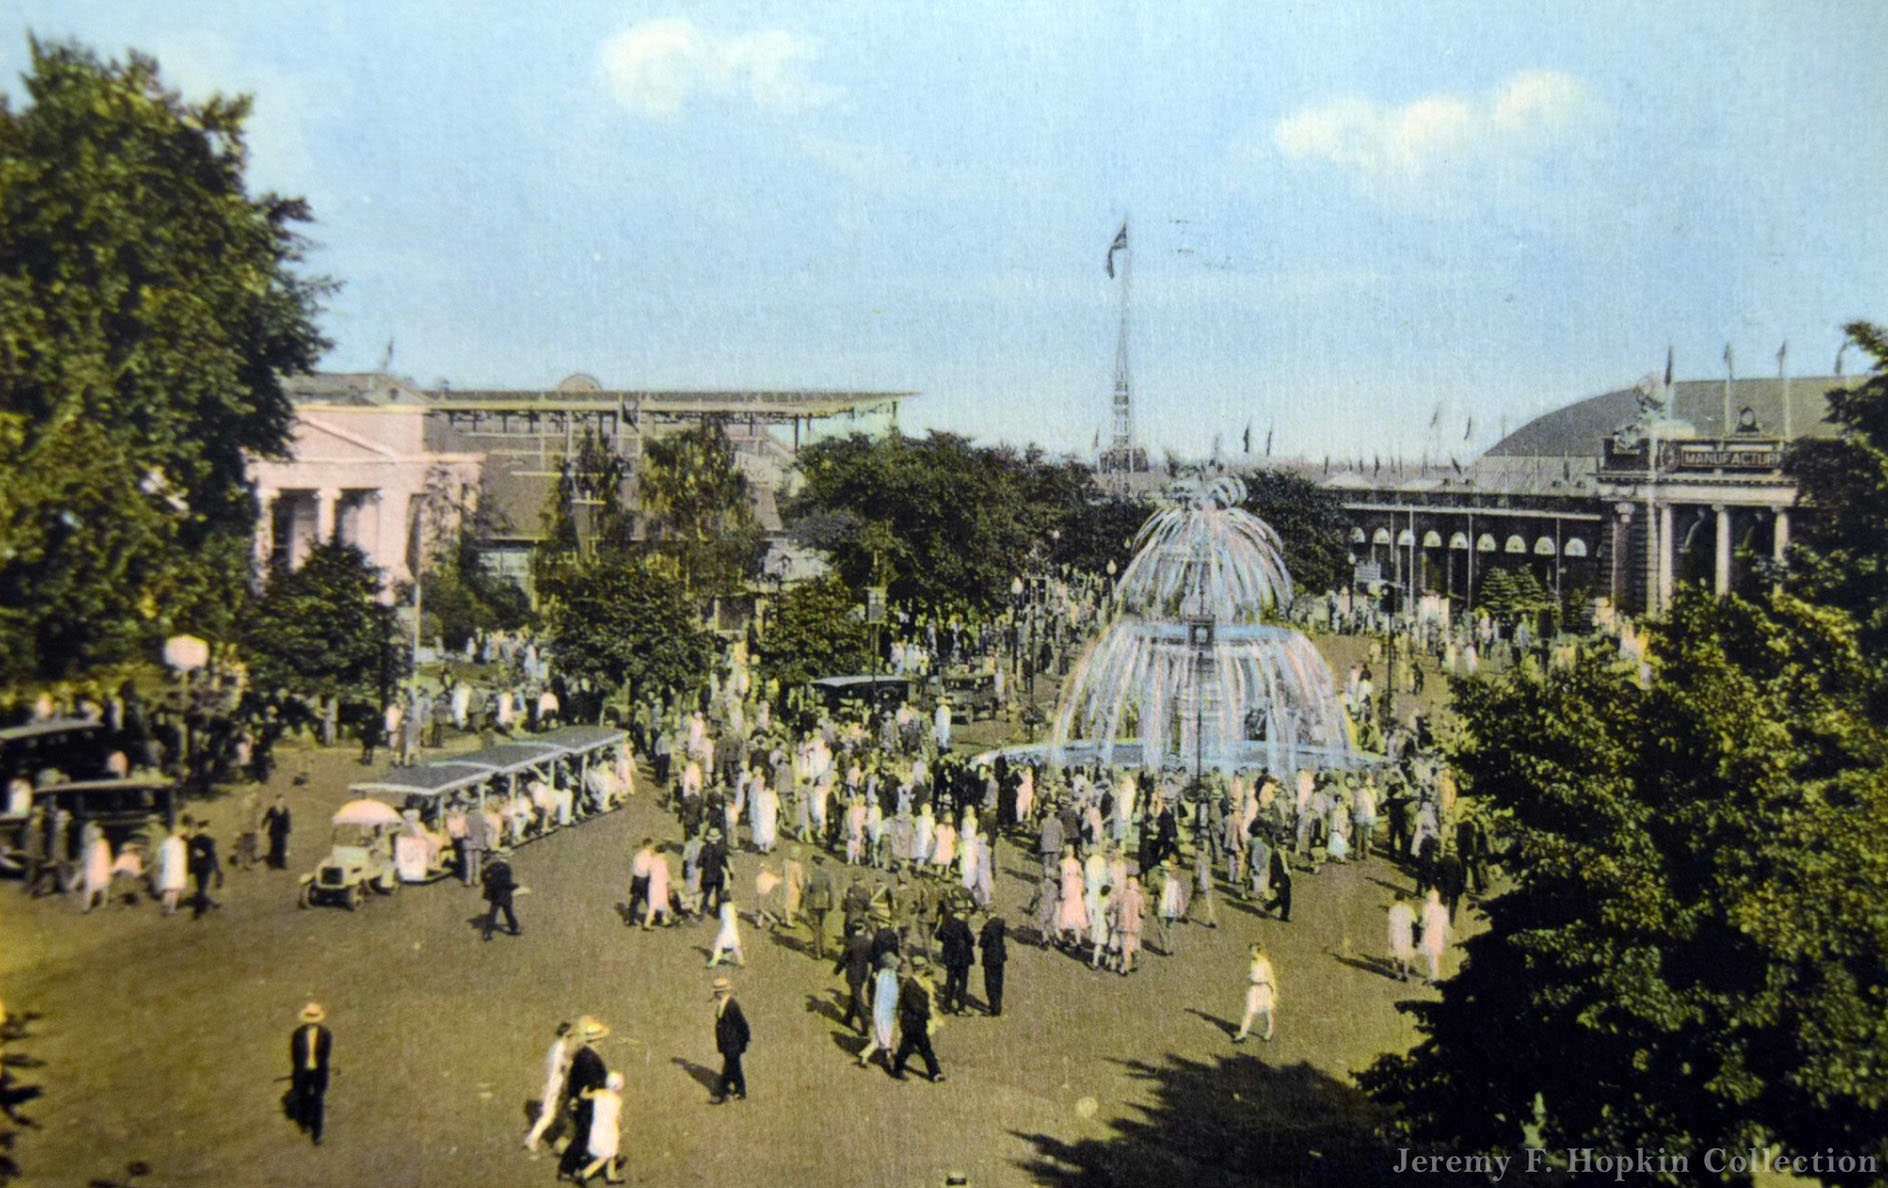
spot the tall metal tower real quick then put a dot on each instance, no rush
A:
(1122, 455)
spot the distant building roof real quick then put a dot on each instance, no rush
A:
(1578, 429)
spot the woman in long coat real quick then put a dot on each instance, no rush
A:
(884, 1009)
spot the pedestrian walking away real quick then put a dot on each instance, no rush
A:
(1261, 996)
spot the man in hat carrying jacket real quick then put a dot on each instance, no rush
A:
(308, 1050)
(587, 1074)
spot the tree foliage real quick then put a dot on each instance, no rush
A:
(321, 630)
(148, 308)
(1310, 522)
(617, 619)
(1694, 952)
(700, 521)
(818, 629)
(1841, 557)
(946, 524)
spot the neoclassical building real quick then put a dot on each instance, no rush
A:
(381, 463)
(1621, 495)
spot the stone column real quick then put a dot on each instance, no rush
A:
(1621, 556)
(326, 501)
(265, 529)
(1721, 572)
(1665, 556)
(1780, 535)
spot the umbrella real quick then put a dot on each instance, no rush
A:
(366, 812)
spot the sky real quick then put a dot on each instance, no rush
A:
(1364, 229)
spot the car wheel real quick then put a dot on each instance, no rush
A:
(388, 884)
(356, 896)
(306, 898)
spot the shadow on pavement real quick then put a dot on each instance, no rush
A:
(1230, 1120)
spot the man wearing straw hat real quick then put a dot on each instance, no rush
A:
(731, 1039)
(308, 1051)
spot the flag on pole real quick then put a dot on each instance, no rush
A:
(1730, 369)
(1120, 244)
(1454, 463)
(1435, 418)
(1470, 431)
(1327, 463)
(1668, 366)
(1783, 354)
(1246, 439)
(1840, 351)
(1268, 441)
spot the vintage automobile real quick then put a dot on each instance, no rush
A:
(361, 857)
(132, 809)
(972, 695)
(879, 693)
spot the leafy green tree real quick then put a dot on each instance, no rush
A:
(618, 620)
(584, 515)
(1310, 523)
(1841, 553)
(1694, 953)
(461, 595)
(148, 308)
(946, 524)
(700, 520)
(321, 630)
(818, 629)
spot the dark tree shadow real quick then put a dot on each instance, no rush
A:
(704, 1076)
(792, 944)
(1231, 1120)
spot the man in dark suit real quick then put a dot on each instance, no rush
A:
(959, 950)
(915, 1018)
(731, 1039)
(499, 889)
(856, 962)
(587, 1075)
(204, 868)
(275, 823)
(993, 939)
(308, 1051)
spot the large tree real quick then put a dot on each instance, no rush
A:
(618, 620)
(700, 520)
(1310, 523)
(148, 308)
(818, 629)
(321, 630)
(946, 524)
(1694, 952)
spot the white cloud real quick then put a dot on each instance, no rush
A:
(656, 67)
(1447, 151)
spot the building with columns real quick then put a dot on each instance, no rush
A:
(370, 452)
(359, 467)
(1598, 500)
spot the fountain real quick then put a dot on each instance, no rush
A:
(1189, 673)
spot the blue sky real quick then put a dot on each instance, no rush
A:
(1343, 215)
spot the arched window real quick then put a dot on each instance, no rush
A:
(1515, 544)
(1544, 547)
(1459, 541)
(1432, 539)
(1357, 536)
(1575, 547)
(1405, 539)
(1485, 543)
(1382, 536)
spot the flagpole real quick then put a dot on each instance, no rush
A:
(1783, 369)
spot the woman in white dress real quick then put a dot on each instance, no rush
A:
(944, 851)
(1435, 933)
(924, 835)
(1402, 937)
(728, 940)
(605, 1137)
(96, 853)
(171, 867)
(658, 892)
(1261, 996)
(766, 817)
